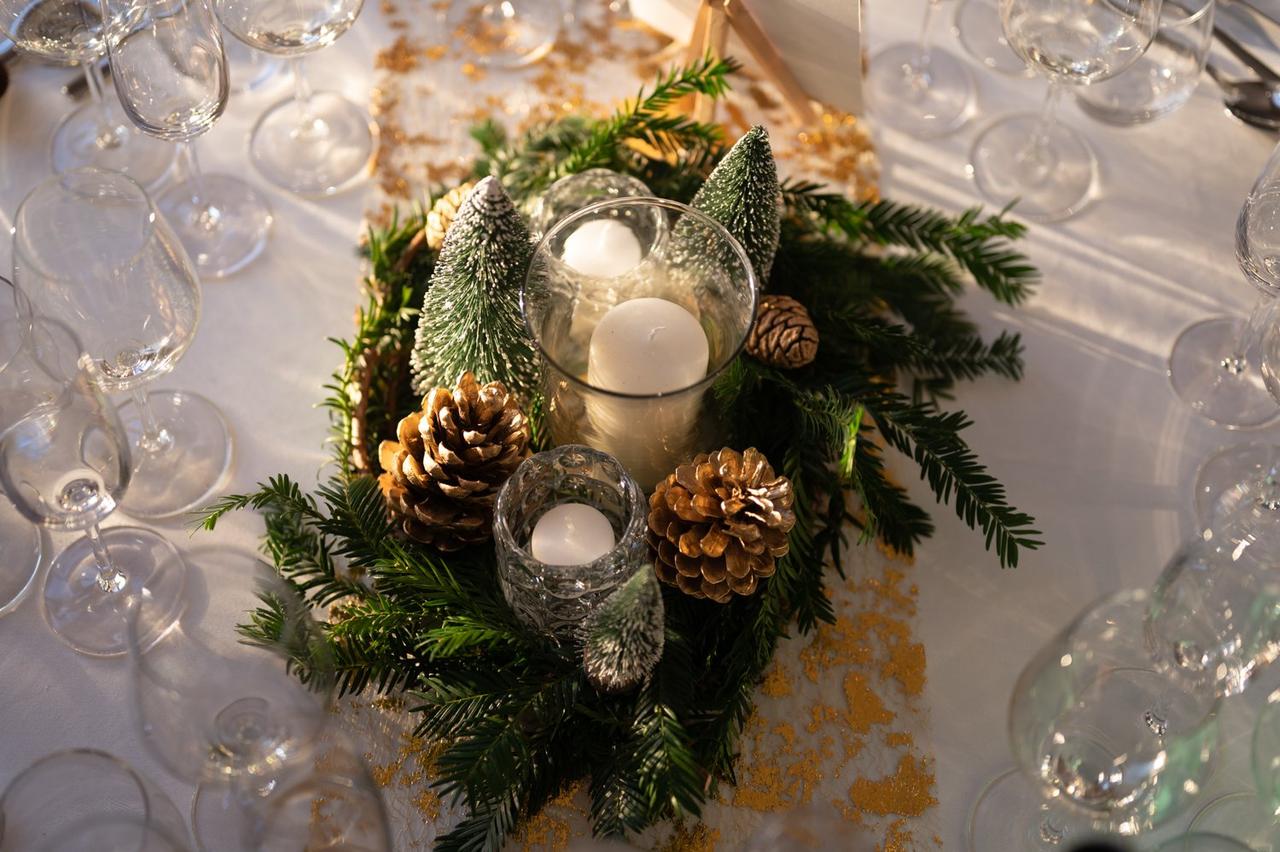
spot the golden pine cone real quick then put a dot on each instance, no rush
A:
(719, 523)
(442, 475)
(443, 212)
(784, 334)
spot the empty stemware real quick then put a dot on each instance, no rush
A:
(170, 72)
(1046, 167)
(65, 465)
(21, 544)
(505, 33)
(1218, 366)
(70, 31)
(314, 143)
(91, 250)
(1114, 741)
(978, 28)
(83, 800)
(230, 715)
(916, 88)
(1236, 478)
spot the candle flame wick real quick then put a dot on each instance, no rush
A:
(653, 333)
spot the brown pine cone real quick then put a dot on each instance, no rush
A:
(719, 523)
(443, 212)
(784, 334)
(443, 474)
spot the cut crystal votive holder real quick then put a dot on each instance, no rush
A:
(554, 599)
(690, 260)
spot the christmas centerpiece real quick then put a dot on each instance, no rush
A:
(831, 333)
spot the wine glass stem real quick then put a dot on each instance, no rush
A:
(110, 578)
(108, 134)
(1237, 362)
(203, 213)
(301, 93)
(920, 65)
(1037, 150)
(154, 438)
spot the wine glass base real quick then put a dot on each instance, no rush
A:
(185, 474)
(320, 153)
(978, 28)
(1196, 371)
(1011, 814)
(94, 622)
(1235, 477)
(1242, 816)
(498, 37)
(925, 107)
(225, 233)
(79, 141)
(1047, 187)
(21, 546)
(219, 821)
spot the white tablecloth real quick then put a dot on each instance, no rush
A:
(1092, 442)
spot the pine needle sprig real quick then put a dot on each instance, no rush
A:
(952, 469)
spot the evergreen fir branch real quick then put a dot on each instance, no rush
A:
(279, 493)
(952, 469)
(979, 244)
(888, 512)
(646, 118)
(964, 359)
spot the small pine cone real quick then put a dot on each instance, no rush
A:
(442, 475)
(783, 335)
(719, 523)
(442, 214)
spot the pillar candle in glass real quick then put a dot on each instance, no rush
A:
(628, 358)
(568, 528)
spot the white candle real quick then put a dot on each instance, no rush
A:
(571, 534)
(602, 248)
(646, 346)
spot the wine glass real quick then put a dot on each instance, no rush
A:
(249, 68)
(1243, 814)
(1236, 478)
(1214, 620)
(1046, 167)
(1113, 741)
(1218, 365)
(334, 804)
(232, 716)
(918, 89)
(91, 249)
(315, 143)
(84, 800)
(70, 31)
(21, 544)
(977, 26)
(65, 465)
(505, 33)
(170, 72)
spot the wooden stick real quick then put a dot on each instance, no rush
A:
(771, 63)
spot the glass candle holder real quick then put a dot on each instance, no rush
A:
(574, 192)
(555, 598)
(628, 356)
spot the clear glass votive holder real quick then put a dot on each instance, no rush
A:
(573, 192)
(554, 599)
(1166, 75)
(699, 267)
